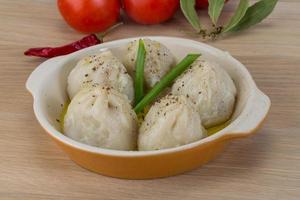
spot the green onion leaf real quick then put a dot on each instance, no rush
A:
(166, 81)
(255, 14)
(139, 72)
(214, 9)
(189, 11)
(238, 15)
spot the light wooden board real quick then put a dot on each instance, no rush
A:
(265, 166)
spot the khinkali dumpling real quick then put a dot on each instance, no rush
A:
(170, 122)
(102, 117)
(159, 60)
(210, 89)
(97, 70)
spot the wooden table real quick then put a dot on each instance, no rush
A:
(265, 166)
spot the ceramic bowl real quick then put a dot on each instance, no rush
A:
(48, 83)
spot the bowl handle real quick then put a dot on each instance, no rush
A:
(252, 117)
(36, 77)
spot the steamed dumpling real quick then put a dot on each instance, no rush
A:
(102, 117)
(170, 122)
(100, 69)
(159, 60)
(210, 89)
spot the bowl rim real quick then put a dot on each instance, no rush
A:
(119, 153)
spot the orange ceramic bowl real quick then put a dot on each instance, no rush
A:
(48, 82)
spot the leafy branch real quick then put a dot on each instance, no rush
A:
(244, 17)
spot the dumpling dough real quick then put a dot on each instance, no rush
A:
(159, 60)
(100, 69)
(170, 122)
(210, 89)
(102, 117)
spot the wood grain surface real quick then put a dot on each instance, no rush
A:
(265, 166)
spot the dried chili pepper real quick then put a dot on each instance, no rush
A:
(50, 52)
(87, 41)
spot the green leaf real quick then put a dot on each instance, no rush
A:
(139, 72)
(238, 15)
(166, 81)
(214, 9)
(255, 14)
(189, 11)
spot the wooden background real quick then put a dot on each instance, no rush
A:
(265, 166)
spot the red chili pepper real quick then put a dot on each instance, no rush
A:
(87, 41)
(50, 52)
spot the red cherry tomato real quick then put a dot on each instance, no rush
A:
(202, 4)
(150, 11)
(90, 16)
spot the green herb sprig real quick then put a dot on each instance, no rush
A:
(244, 17)
(255, 14)
(166, 81)
(139, 72)
(214, 10)
(188, 9)
(238, 15)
